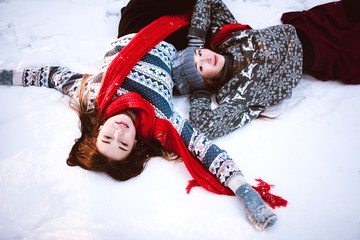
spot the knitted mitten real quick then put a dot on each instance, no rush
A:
(257, 211)
(6, 77)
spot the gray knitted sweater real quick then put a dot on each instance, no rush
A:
(274, 68)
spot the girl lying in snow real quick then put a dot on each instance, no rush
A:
(250, 70)
(127, 113)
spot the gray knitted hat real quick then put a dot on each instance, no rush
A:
(184, 72)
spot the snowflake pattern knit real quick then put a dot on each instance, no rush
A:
(151, 78)
(274, 67)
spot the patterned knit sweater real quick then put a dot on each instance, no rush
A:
(151, 78)
(274, 67)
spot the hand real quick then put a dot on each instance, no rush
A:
(6, 77)
(258, 212)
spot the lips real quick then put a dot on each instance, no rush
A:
(215, 60)
(122, 124)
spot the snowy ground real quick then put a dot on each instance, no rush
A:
(310, 152)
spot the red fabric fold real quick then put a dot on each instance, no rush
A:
(120, 67)
(225, 32)
(146, 123)
(272, 200)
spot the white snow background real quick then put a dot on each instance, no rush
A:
(311, 152)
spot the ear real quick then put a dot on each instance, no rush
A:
(135, 142)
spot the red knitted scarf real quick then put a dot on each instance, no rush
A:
(225, 32)
(146, 123)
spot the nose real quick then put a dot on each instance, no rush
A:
(119, 133)
(206, 58)
(203, 59)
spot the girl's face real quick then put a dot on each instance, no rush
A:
(208, 63)
(116, 137)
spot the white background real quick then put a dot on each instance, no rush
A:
(310, 152)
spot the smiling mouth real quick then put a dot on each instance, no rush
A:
(122, 124)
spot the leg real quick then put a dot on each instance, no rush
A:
(308, 50)
(334, 41)
(352, 9)
(139, 13)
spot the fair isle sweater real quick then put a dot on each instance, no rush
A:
(151, 78)
(274, 68)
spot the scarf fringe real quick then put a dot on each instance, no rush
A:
(192, 183)
(262, 188)
(272, 200)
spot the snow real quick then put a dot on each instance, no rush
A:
(310, 152)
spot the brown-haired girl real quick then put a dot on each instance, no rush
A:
(127, 116)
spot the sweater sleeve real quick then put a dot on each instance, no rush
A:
(225, 118)
(215, 159)
(209, 15)
(59, 78)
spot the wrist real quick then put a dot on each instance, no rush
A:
(200, 94)
(236, 182)
(17, 77)
(197, 33)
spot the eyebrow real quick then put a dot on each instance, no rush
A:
(107, 142)
(104, 141)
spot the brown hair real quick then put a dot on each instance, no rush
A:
(85, 154)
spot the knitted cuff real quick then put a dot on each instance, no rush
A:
(200, 94)
(196, 42)
(6, 77)
(197, 33)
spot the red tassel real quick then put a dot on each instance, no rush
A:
(263, 189)
(192, 183)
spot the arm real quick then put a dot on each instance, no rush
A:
(215, 159)
(59, 78)
(219, 163)
(209, 15)
(227, 117)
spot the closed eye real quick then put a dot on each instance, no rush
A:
(124, 149)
